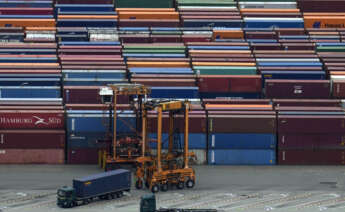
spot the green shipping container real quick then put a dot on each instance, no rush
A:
(225, 70)
(144, 3)
(330, 49)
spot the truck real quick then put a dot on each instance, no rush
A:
(107, 185)
(148, 204)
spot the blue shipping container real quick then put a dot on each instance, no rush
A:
(106, 182)
(30, 82)
(241, 157)
(30, 92)
(242, 141)
(175, 92)
(98, 121)
(86, 140)
(95, 74)
(196, 140)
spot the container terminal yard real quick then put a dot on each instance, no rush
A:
(172, 105)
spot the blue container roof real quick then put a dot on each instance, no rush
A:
(101, 175)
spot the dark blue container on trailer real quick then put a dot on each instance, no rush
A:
(103, 183)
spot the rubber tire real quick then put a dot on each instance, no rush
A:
(121, 193)
(139, 184)
(190, 183)
(180, 185)
(155, 188)
(73, 204)
(164, 187)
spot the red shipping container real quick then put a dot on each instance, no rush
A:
(311, 141)
(87, 95)
(285, 89)
(82, 156)
(220, 123)
(32, 139)
(197, 122)
(32, 119)
(237, 101)
(311, 157)
(232, 84)
(311, 124)
(307, 102)
(32, 156)
(26, 11)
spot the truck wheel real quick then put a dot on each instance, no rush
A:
(190, 183)
(73, 204)
(155, 188)
(164, 187)
(139, 184)
(180, 185)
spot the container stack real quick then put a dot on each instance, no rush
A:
(164, 66)
(79, 14)
(28, 13)
(241, 133)
(209, 13)
(90, 56)
(32, 131)
(311, 135)
(225, 69)
(89, 129)
(197, 132)
(270, 14)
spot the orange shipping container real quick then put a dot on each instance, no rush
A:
(228, 34)
(40, 28)
(324, 21)
(222, 64)
(337, 73)
(27, 22)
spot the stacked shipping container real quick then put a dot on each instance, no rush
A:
(32, 131)
(236, 49)
(241, 134)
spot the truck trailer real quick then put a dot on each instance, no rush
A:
(107, 185)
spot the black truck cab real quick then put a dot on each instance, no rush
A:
(66, 197)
